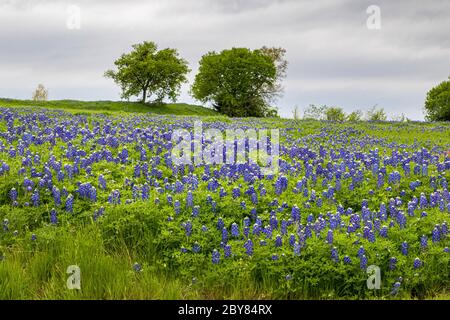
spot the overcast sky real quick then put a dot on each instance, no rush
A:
(334, 58)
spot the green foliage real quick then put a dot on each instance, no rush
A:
(437, 104)
(376, 114)
(355, 116)
(112, 107)
(239, 82)
(335, 114)
(148, 72)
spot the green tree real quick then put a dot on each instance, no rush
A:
(336, 114)
(240, 82)
(147, 72)
(375, 114)
(355, 116)
(437, 104)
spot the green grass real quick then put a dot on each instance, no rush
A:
(112, 107)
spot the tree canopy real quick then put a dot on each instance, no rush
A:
(437, 104)
(149, 73)
(240, 82)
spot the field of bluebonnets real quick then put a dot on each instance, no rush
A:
(102, 192)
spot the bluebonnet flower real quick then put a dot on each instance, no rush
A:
(417, 263)
(288, 277)
(254, 198)
(423, 203)
(137, 267)
(93, 194)
(291, 239)
(295, 213)
(256, 229)
(273, 222)
(377, 224)
(296, 249)
(395, 288)
(33, 237)
(363, 262)
(69, 203)
(347, 260)
(177, 207)
(249, 247)
(220, 224)
(215, 256)
(60, 176)
(274, 257)
(330, 236)
(146, 193)
(235, 230)
(195, 211)
(268, 231)
(334, 255)
(404, 248)
(435, 235)
(384, 232)
(53, 217)
(446, 249)
(227, 251)
(169, 199)
(246, 231)
(371, 236)
(13, 194)
(392, 263)
(188, 228)
(278, 241)
(224, 235)
(423, 242)
(204, 228)
(196, 247)
(35, 198)
(284, 225)
(361, 251)
(189, 199)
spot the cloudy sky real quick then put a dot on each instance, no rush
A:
(334, 58)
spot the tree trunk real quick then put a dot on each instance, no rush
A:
(144, 95)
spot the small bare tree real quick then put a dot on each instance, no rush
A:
(296, 113)
(40, 94)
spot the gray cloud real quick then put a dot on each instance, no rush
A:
(333, 58)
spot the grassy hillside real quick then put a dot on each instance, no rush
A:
(77, 106)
